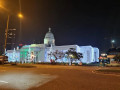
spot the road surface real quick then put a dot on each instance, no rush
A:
(56, 77)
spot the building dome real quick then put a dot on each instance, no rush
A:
(49, 38)
(49, 35)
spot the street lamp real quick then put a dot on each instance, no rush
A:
(6, 31)
(112, 42)
(20, 15)
(1, 5)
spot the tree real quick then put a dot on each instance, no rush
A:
(57, 55)
(117, 58)
(73, 55)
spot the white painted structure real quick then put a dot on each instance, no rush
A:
(13, 55)
(40, 52)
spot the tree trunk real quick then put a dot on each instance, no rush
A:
(71, 63)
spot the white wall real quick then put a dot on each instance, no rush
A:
(96, 54)
(88, 54)
(13, 56)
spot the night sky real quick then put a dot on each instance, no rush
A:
(78, 22)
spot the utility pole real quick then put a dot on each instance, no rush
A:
(6, 35)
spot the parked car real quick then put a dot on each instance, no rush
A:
(4, 58)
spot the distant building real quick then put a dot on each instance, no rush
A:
(11, 38)
(113, 51)
(40, 52)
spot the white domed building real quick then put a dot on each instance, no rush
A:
(41, 52)
(49, 39)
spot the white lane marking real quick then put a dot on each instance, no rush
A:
(3, 81)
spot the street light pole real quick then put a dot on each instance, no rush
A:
(112, 42)
(20, 38)
(20, 16)
(6, 35)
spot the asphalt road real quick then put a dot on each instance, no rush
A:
(53, 77)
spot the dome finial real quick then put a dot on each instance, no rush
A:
(49, 29)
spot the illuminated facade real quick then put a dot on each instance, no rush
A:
(40, 52)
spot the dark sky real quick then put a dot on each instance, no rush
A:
(78, 22)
